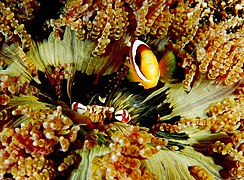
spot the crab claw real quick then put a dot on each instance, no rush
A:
(122, 115)
(78, 107)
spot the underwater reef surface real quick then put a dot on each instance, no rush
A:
(121, 89)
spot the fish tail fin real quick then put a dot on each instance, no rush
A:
(167, 65)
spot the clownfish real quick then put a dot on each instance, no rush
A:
(144, 66)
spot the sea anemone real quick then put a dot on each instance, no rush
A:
(68, 110)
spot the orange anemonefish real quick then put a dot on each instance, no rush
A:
(144, 66)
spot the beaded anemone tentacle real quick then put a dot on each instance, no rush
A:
(14, 16)
(68, 110)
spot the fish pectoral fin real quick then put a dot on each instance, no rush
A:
(127, 63)
(132, 76)
(167, 65)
